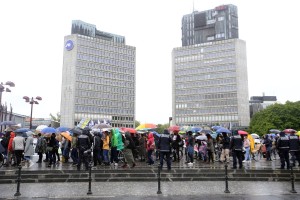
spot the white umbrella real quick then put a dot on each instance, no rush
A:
(40, 128)
(255, 136)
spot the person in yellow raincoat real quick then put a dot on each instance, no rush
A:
(250, 138)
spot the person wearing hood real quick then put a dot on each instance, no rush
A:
(29, 150)
(10, 151)
(283, 147)
(84, 146)
(150, 148)
(97, 149)
(164, 147)
(236, 146)
(18, 145)
(52, 147)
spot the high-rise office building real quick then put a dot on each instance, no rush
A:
(98, 77)
(216, 24)
(209, 77)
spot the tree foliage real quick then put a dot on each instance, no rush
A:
(277, 116)
(161, 127)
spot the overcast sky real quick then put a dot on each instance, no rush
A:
(32, 40)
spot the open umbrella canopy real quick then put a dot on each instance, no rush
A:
(48, 130)
(130, 130)
(146, 126)
(62, 129)
(22, 130)
(174, 128)
(8, 123)
(255, 136)
(298, 133)
(242, 132)
(66, 135)
(223, 130)
(274, 131)
(289, 130)
(216, 127)
(101, 126)
(40, 128)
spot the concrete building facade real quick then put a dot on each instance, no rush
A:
(98, 77)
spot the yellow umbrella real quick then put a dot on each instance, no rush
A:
(298, 133)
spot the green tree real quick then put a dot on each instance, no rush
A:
(277, 116)
(161, 127)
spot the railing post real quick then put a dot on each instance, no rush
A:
(226, 179)
(158, 179)
(292, 180)
(18, 181)
(90, 179)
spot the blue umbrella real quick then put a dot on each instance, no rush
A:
(223, 130)
(62, 129)
(48, 130)
(22, 130)
(8, 123)
(196, 129)
(216, 127)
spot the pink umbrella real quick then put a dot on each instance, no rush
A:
(242, 132)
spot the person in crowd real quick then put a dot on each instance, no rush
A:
(52, 146)
(294, 148)
(141, 147)
(46, 149)
(84, 147)
(106, 147)
(283, 147)
(135, 139)
(176, 145)
(210, 148)
(10, 151)
(273, 148)
(225, 148)
(236, 146)
(5, 142)
(164, 148)
(40, 148)
(114, 147)
(129, 147)
(246, 144)
(29, 150)
(18, 145)
(120, 144)
(268, 144)
(97, 148)
(190, 147)
(150, 148)
(74, 151)
(66, 149)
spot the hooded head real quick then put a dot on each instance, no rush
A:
(282, 134)
(224, 134)
(166, 131)
(150, 135)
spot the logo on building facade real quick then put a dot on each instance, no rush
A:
(69, 45)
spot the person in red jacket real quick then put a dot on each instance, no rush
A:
(10, 151)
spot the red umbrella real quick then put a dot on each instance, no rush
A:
(242, 132)
(130, 130)
(289, 130)
(174, 128)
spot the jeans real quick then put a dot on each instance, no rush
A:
(236, 154)
(105, 155)
(162, 155)
(247, 155)
(150, 159)
(74, 155)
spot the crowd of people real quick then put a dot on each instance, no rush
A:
(104, 147)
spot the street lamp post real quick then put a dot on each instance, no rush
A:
(32, 101)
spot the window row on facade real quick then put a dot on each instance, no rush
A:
(212, 103)
(225, 88)
(94, 83)
(104, 103)
(104, 67)
(105, 45)
(103, 110)
(106, 95)
(196, 77)
(199, 97)
(194, 69)
(206, 56)
(212, 82)
(95, 76)
(204, 63)
(218, 118)
(107, 54)
(207, 110)
(103, 60)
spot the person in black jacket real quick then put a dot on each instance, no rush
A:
(294, 148)
(268, 143)
(283, 147)
(52, 148)
(129, 147)
(225, 148)
(164, 147)
(236, 147)
(97, 149)
(84, 148)
(176, 145)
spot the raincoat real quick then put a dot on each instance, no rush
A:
(250, 138)
(120, 144)
(10, 147)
